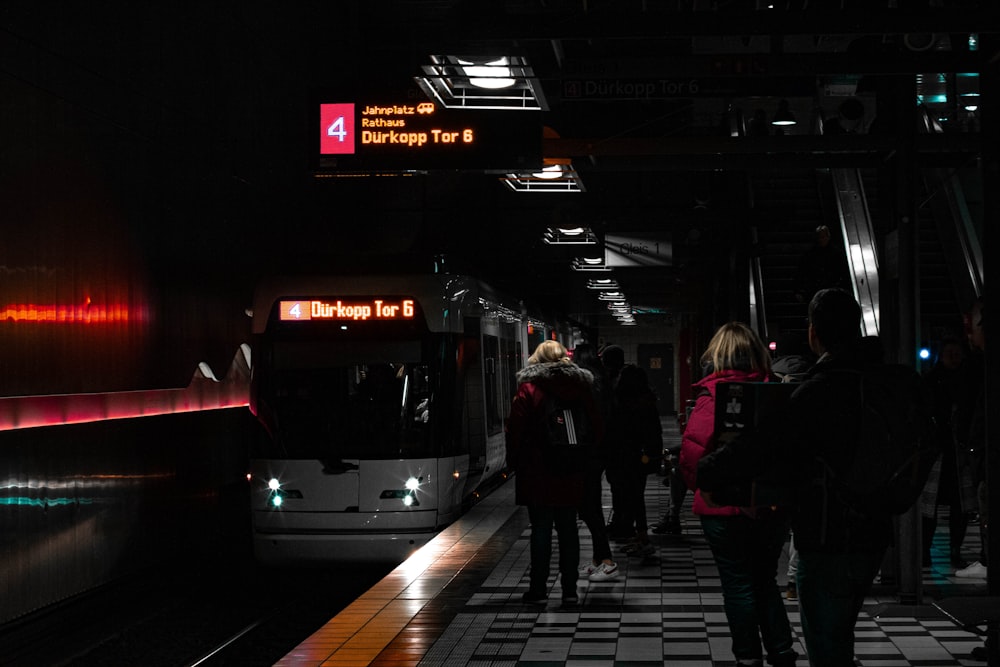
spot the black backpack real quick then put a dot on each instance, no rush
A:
(569, 435)
(896, 447)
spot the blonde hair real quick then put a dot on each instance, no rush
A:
(549, 351)
(735, 346)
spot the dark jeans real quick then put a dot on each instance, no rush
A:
(832, 588)
(543, 518)
(678, 490)
(592, 512)
(746, 552)
(635, 494)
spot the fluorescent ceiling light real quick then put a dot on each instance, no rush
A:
(494, 82)
(492, 75)
(554, 178)
(569, 236)
(590, 264)
(549, 172)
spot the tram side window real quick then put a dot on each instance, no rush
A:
(491, 368)
(507, 379)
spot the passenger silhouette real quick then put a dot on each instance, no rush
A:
(840, 550)
(602, 566)
(613, 359)
(635, 436)
(551, 496)
(970, 430)
(792, 366)
(822, 266)
(745, 546)
(943, 487)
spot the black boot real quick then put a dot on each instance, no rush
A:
(783, 659)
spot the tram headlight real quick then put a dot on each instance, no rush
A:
(277, 494)
(408, 494)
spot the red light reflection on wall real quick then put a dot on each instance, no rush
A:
(86, 313)
(18, 412)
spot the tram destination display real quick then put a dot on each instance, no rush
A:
(401, 135)
(302, 310)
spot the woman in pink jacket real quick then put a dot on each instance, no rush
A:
(746, 546)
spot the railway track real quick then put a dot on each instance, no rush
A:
(226, 615)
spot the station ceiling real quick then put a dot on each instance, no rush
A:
(644, 96)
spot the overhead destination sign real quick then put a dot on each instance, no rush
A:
(343, 310)
(657, 88)
(418, 135)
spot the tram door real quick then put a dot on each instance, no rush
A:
(658, 362)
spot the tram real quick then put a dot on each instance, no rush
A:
(383, 400)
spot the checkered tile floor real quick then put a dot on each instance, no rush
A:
(667, 609)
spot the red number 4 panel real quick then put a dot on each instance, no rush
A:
(336, 129)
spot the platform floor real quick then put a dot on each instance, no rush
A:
(458, 602)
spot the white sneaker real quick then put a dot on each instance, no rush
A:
(604, 572)
(975, 571)
(589, 569)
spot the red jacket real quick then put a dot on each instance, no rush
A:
(699, 433)
(534, 484)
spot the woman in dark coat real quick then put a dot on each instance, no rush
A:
(552, 492)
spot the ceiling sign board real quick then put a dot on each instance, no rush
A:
(412, 135)
(604, 90)
(638, 249)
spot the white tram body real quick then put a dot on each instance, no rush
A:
(383, 399)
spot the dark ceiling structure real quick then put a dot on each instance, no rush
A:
(653, 103)
(656, 105)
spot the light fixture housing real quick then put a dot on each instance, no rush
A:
(569, 236)
(501, 82)
(784, 116)
(590, 264)
(603, 284)
(559, 178)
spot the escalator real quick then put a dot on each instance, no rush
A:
(788, 206)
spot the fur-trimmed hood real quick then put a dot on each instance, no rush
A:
(555, 373)
(536, 481)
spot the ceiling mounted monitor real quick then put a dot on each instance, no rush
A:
(399, 132)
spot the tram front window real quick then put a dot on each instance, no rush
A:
(350, 409)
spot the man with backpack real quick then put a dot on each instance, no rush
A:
(843, 425)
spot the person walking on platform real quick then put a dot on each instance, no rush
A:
(823, 266)
(746, 545)
(552, 487)
(840, 549)
(635, 444)
(613, 359)
(969, 427)
(792, 367)
(943, 486)
(602, 566)
(970, 432)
